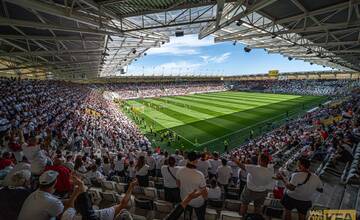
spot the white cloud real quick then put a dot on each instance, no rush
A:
(181, 67)
(216, 59)
(186, 45)
(170, 68)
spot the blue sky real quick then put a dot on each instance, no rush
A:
(188, 55)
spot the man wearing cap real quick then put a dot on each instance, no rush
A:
(23, 165)
(42, 204)
(63, 185)
(14, 194)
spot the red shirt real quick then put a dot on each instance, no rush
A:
(63, 180)
(324, 134)
(4, 163)
(15, 147)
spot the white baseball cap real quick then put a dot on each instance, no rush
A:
(48, 177)
(19, 178)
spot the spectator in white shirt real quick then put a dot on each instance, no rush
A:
(214, 163)
(214, 192)
(119, 165)
(190, 179)
(172, 192)
(95, 176)
(243, 176)
(183, 161)
(142, 172)
(235, 172)
(35, 155)
(107, 166)
(24, 165)
(203, 165)
(178, 157)
(259, 180)
(42, 204)
(300, 190)
(151, 162)
(131, 170)
(79, 166)
(158, 164)
(224, 174)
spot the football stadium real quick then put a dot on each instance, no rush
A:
(210, 119)
(179, 109)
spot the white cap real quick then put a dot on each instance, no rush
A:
(19, 178)
(48, 177)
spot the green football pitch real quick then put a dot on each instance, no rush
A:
(207, 120)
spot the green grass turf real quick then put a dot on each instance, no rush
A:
(206, 120)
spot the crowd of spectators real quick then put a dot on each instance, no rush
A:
(147, 90)
(301, 87)
(59, 140)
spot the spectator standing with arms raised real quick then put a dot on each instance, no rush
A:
(259, 180)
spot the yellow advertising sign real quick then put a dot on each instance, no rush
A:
(92, 112)
(273, 73)
(330, 120)
(332, 214)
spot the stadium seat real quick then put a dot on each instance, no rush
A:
(233, 193)
(108, 185)
(122, 179)
(140, 213)
(229, 215)
(273, 208)
(95, 196)
(211, 214)
(151, 184)
(150, 193)
(121, 187)
(87, 181)
(161, 194)
(138, 190)
(217, 204)
(159, 185)
(162, 208)
(143, 203)
(110, 197)
(232, 205)
(116, 179)
(138, 217)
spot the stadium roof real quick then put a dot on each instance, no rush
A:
(92, 38)
(323, 32)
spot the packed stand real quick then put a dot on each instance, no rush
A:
(147, 90)
(300, 87)
(58, 159)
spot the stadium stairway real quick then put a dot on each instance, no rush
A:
(350, 197)
(332, 198)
